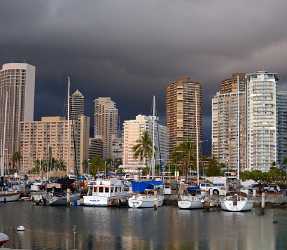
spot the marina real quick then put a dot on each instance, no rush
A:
(166, 228)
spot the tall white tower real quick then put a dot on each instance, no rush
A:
(261, 114)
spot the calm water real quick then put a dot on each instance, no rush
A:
(166, 228)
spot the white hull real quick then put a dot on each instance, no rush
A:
(238, 206)
(96, 201)
(145, 201)
(9, 196)
(62, 201)
(190, 202)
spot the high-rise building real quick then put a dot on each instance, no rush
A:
(77, 105)
(105, 123)
(53, 132)
(133, 130)
(183, 96)
(261, 112)
(17, 82)
(281, 127)
(84, 135)
(95, 147)
(117, 148)
(225, 125)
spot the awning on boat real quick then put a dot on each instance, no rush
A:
(141, 186)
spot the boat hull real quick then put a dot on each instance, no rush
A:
(9, 196)
(145, 201)
(96, 201)
(190, 202)
(62, 201)
(238, 206)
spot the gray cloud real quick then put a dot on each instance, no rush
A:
(130, 49)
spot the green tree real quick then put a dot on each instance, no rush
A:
(184, 156)
(16, 161)
(97, 164)
(143, 148)
(214, 168)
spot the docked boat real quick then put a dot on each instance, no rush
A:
(106, 193)
(57, 196)
(190, 198)
(146, 194)
(9, 196)
(236, 202)
(3, 239)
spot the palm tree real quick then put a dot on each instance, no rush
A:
(97, 164)
(143, 148)
(16, 159)
(184, 155)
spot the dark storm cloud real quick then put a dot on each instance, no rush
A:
(130, 49)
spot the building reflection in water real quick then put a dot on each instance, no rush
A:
(166, 228)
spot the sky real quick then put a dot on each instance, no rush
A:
(130, 49)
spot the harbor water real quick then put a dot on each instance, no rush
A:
(165, 228)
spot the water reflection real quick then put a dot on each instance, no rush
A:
(166, 228)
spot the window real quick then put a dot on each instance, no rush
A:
(101, 189)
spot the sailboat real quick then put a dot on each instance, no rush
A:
(234, 200)
(148, 193)
(6, 195)
(190, 196)
(56, 194)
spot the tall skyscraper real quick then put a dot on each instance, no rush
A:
(105, 123)
(261, 113)
(225, 124)
(77, 105)
(17, 82)
(282, 127)
(133, 130)
(52, 132)
(181, 98)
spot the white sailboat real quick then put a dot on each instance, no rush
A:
(148, 194)
(5, 194)
(237, 201)
(191, 197)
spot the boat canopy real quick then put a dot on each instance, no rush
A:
(193, 189)
(141, 186)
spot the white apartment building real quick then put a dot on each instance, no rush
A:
(225, 129)
(53, 132)
(17, 82)
(261, 120)
(133, 130)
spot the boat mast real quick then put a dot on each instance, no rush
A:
(4, 137)
(238, 128)
(153, 139)
(69, 134)
(197, 138)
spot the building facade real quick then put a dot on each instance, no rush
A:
(77, 105)
(225, 124)
(133, 130)
(105, 123)
(183, 96)
(17, 83)
(282, 128)
(261, 116)
(66, 142)
(95, 148)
